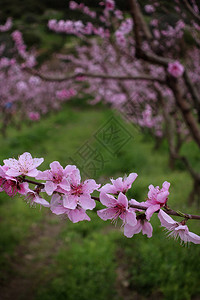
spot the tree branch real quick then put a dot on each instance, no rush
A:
(98, 76)
(191, 10)
(167, 210)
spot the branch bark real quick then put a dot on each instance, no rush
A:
(100, 76)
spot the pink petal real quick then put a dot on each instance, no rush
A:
(107, 200)
(24, 188)
(129, 230)
(50, 187)
(55, 200)
(130, 179)
(32, 173)
(75, 177)
(122, 200)
(65, 184)
(37, 162)
(69, 169)
(59, 210)
(56, 167)
(11, 163)
(26, 159)
(194, 238)
(118, 183)
(147, 229)
(90, 185)
(131, 218)
(46, 175)
(150, 210)
(106, 213)
(162, 197)
(166, 185)
(109, 188)
(87, 202)
(41, 201)
(70, 201)
(13, 173)
(166, 220)
(77, 215)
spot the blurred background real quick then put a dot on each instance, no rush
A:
(46, 257)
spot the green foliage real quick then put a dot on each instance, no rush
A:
(84, 267)
(162, 265)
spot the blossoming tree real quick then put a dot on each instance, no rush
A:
(143, 69)
(24, 96)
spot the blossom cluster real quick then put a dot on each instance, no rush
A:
(72, 197)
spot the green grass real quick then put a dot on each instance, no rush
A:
(84, 266)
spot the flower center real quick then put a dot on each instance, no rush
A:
(57, 178)
(77, 190)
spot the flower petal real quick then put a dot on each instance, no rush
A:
(147, 229)
(166, 220)
(122, 199)
(107, 200)
(86, 202)
(70, 201)
(129, 230)
(106, 213)
(150, 210)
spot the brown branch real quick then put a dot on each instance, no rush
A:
(100, 76)
(185, 109)
(191, 10)
(192, 91)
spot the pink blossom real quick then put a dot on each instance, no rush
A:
(75, 215)
(119, 185)
(7, 26)
(25, 165)
(79, 192)
(65, 94)
(33, 197)
(11, 185)
(156, 198)
(110, 4)
(34, 116)
(116, 208)
(175, 69)
(177, 229)
(56, 178)
(141, 225)
(149, 9)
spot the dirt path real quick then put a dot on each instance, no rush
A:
(31, 258)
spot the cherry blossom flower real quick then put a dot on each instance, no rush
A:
(149, 9)
(156, 198)
(119, 185)
(75, 215)
(79, 192)
(142, 223)
(56, 178)
(11, 185)
(34, 116)
(116, 208)
(175, 69)
(177, 230)
(25, 165)
(33, 197)
(110, 4)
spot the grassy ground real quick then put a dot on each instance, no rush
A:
(44, 257)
